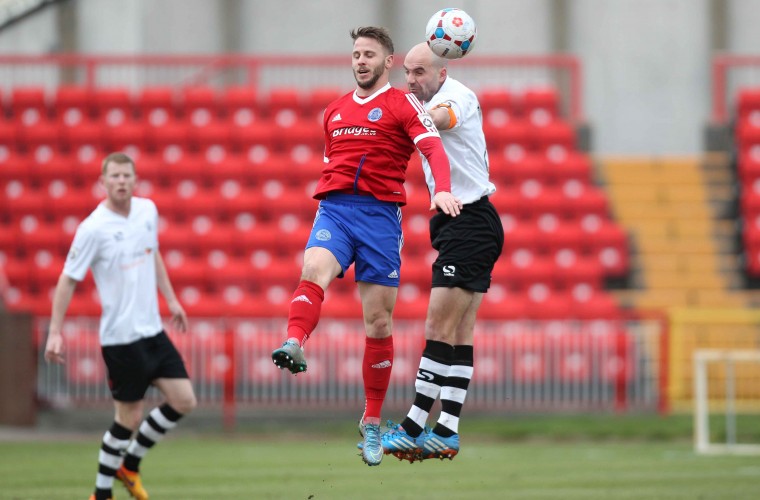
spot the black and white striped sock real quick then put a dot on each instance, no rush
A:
(434, 365)
(454, 391)
(115, 441)
(152, 430)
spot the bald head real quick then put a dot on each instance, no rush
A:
(425, 71)
(421, 54)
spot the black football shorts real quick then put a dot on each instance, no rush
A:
(468, 246)
(133, 367)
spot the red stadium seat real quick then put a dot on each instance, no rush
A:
(174, 133)
(515, 132)
(128, 134)
(184, 270)
(529, 167)
(27, 301)
(199, 105)
(175, 235)
(66, 199)
(571, 166)
(748, 166)
(40, 134)
(211, 234)
(85, 140)
(608, 242)
(748, 100)
(579, 200)
(750, 200)
(595, 305)
(301, 132)
(113, 106)
(523, 274)
(9, 133)
(28, 105)
(553, 134)
(316, 100)
(206, 138)
(156, 105)
(570, 271)
(231, 167)
(240, 105)
(520, 237)
(72, 105)
(13, 190)
(501, 303)
(282, 104)
(256, 133)
(556, 235)
(540, 104)
(498, 105)
(545, 303)
(748, 130)
(47, 262)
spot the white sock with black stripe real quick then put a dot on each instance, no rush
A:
(115, 441)
(431, 375)
(454, 391)
(160, 420)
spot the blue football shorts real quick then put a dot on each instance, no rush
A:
(363, 231)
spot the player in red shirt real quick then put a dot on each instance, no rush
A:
(370, 135)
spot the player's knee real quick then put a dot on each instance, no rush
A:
(435, 330)
(378, 326)
(130, 418)
(185, 404)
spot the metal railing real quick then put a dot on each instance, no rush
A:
(519, 365)
(731, 72)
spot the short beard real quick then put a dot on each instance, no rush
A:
(369, 83)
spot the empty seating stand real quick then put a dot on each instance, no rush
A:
(232, 170)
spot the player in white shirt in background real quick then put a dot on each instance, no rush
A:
(468, 247)
(118, 241)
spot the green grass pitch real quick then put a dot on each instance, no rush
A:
(319, 465)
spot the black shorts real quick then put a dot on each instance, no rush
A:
(468, 246)
(133, 367)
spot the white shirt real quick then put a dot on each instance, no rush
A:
(465, 144)
(121, 251)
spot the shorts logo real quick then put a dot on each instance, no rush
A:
(73, 253)
(394, 274)
(375, 115)
(449, 271)
(323, 235)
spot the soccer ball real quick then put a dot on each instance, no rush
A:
(451, 33)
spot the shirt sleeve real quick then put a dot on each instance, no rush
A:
(432, 149)
(82, 253)
(419, 123)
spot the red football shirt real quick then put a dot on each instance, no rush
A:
(368, 142)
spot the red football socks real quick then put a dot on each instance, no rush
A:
(376, 370)
(305, 307)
